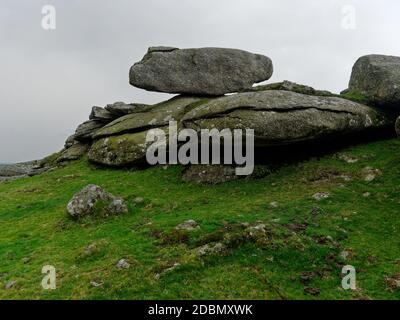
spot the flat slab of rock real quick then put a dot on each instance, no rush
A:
(202, 71)
(377, 77)
(74, 152)
(284, 117)
(101, 114)
(120, 109)
(170, 110)
(86, 129)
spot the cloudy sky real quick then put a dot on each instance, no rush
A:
(49, 80)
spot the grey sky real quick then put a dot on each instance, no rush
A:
(49, 80)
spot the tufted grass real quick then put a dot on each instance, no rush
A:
(35, 231)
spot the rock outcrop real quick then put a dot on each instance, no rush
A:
(281, 114)
(203, 71)
(377, 78)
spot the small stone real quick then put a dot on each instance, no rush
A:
(188, 225)
(257, 231)
(117, 206)
(366, 194)
(96, 283)
(321, 195)
(123, 264)
(10, 284)
(138, 200)
(344, 254)
(26, 260)
(210, 249)
(348, 159)
(274, 205)
(370, 174)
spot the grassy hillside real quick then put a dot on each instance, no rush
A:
(308, 240)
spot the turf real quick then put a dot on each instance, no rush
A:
(309, 243)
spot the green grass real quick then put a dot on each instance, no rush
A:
(35, 231)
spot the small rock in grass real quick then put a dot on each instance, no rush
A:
(117, 206)
(344, 254)
(10, 284)
(138, 200)
(172, 268)
(321, 195)
(348, 159)
(311, 291)
(123, 264)
(188, 225)
(366, 194)
(96, 283)
(370, 174)
(393, 282)
(210, 249)
(273, 204)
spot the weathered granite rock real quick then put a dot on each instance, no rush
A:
(397, 126)
(377, 77)
(74, 152)
(121, 150)
(160, 115)
(101, 114)
(83, 202)
(203, 71)
(120, 109)
(85, 130)
(291, 86)
(70, 141)
(284, 117)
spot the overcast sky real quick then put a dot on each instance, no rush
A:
(49, 80)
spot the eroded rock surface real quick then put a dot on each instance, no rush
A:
(202, 71)
(377, 77)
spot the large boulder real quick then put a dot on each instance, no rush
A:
(284, 117)
(160, 115)
(377, 79)
(203, 71)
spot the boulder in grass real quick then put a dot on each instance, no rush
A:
(84, 202)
